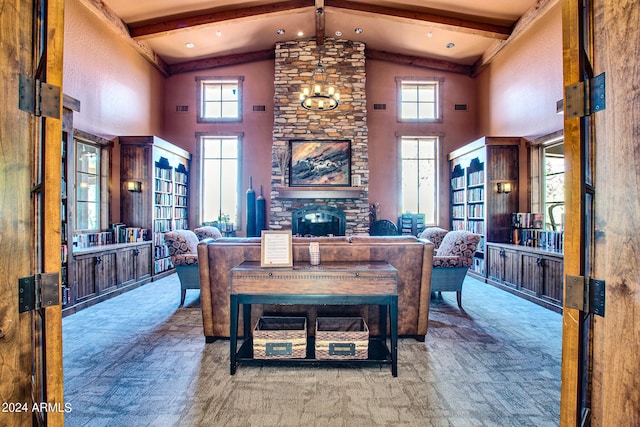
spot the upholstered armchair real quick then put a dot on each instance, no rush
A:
(435, 236)
(453, 259)
(207, 231)
(183, 249)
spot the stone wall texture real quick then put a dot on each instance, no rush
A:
(345, 64)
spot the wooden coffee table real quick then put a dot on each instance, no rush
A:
(330, 283)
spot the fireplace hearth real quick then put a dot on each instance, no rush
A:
(317, 220)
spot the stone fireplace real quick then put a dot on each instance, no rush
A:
(318, 220)
(345, 64)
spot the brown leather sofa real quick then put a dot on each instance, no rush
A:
(412, 258)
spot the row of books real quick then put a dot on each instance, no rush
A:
(547, 240)
(124, 234)
(476, 178)
(181, 177)
(457, 182)
(181, 189)
(161, 265)
(163, 186)
(162, 173)
(88, 240)
(526, 220)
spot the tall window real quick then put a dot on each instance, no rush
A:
(553, 186)
(219, 178)
(419, 169)
(420, 100)
(219, 99)
(88, 186)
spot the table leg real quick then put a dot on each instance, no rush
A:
(383, 323)
(246, 320)
(233, 333)
(393, 309)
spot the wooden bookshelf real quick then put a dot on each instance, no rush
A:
(163, 203)
(476, 206)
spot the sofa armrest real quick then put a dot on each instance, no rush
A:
(205, 289)
(425, 287)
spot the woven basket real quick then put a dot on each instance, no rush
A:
(276, 337)
(341, 338)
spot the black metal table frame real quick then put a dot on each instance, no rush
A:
(385, 301)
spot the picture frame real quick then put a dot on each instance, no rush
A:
(320, 163)
(276, 248)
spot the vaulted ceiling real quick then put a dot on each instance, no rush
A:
(454, 35)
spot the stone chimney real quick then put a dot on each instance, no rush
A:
(345, 64)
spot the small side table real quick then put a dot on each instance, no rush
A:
(334, 283)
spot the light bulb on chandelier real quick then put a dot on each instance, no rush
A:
(323, 97)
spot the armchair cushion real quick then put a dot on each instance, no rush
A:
(434, 235)
(207, 231)
(181, 243)
(457, 244)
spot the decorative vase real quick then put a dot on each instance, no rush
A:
(251, 210)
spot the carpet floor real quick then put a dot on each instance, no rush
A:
(140, 360)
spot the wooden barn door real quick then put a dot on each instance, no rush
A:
(31, 35)
(601, 354)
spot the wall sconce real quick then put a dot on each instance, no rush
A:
(134, 186)
(504, 187)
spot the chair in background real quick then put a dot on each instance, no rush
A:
(383, 227)
(183, 249)
(452, 261)
(435, 236)
(207, 231)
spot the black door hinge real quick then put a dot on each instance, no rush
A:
(585, 294)
(37, 291)
(38, 98)
(585, 98)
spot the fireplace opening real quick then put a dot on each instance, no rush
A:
(316, 220)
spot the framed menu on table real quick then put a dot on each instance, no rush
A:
(276, 249)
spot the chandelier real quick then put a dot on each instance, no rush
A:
(320, 96)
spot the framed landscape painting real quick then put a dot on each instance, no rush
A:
(320, 163)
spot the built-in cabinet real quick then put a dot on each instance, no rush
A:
(532, 273)
(154, 178)
(476, 205)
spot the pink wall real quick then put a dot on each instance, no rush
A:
(256, 126)
(517, 92)
(457, 128)
(120, 93)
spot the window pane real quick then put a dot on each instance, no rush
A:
(409, 111)
(410, 149)
(409, 186)
(229, 109)
(220, 169)
(426, 92)
(229, 148)
(427, 111)
(229, 92)
(409, 93)
(419, 177)
(212, 92)
(212, 110)
(88, 156)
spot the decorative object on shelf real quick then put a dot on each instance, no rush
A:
(134, 186)
(320, 96)
(320, 163)
(503, 187)
(251, 210)
(283, 155)
(374, 210)
(356, 180)
(261, 212)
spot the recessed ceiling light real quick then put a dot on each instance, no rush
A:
(358, 30)
(338, 33)
(280, 31)
(300, 34)
(450, 45)
(219, 33)
(430, 34)
(189, 45)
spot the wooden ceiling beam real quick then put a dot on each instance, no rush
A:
(111, 20)
(454, 22)
(320, 22)
(167, 24)
(417, 61)
(222, 61)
